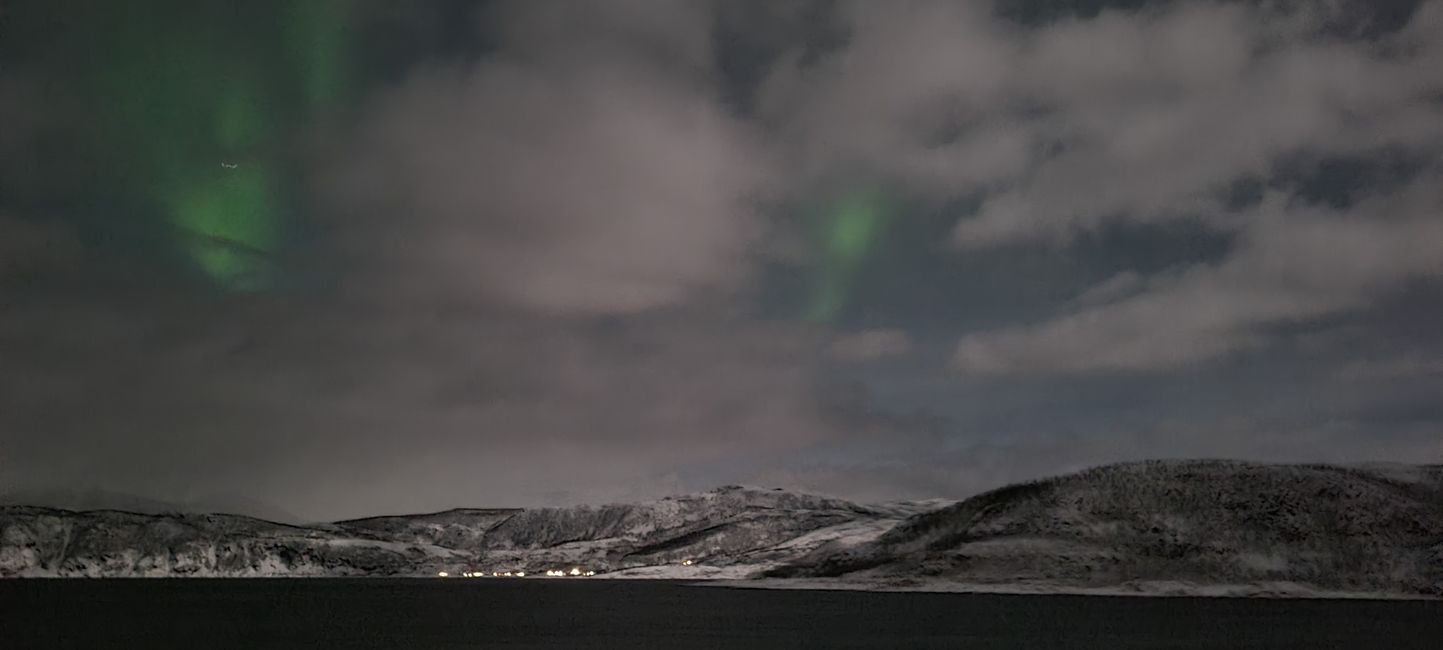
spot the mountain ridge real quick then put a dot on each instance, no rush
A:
(722, 525)
(1198, 526)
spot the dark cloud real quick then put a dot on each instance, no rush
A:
(343, 408)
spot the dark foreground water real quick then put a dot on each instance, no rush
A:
(460, 613)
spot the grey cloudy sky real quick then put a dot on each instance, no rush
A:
(563, 252)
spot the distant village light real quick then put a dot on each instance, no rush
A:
(442, 574)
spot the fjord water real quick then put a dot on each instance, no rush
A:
(262, 614)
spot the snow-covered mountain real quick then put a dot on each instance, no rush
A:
(1161, 525)
(730, 531)
(1180, 526)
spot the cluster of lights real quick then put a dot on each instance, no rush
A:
(554, 573)
(687, 562)
(574, 572)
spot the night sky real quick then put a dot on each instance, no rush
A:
(346, 257)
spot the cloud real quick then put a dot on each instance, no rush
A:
(653, 34)
(567, 173)
(1403, 368)
(1161, 137)
(1065, 127)
(880, 104)
(1116, 287)
(1293, 263)
(1125, 116)
(331, 409)
(871, 345)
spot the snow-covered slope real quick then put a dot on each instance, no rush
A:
(462, 528)
(740, 529)
(719, 527)
(47, 542)
(1376, 528)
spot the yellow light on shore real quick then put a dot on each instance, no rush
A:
(442, 574)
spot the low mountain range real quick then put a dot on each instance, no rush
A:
(1161, 526)
(730, 531)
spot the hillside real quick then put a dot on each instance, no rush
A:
(1372, 529)
(736, 530)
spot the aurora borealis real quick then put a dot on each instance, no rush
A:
(200, 106)
(845, 236)
(204, 107)
(231, 214)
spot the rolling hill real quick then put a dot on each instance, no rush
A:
(1161, 524)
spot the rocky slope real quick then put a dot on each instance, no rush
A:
(1370, 529)
(733, 530)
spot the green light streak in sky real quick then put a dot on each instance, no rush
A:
(195, 101)
(237, 117)
(847, 237)
(231, 223)
(318, 36)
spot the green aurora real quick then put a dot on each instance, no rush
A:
(847, 235)
(193, 103)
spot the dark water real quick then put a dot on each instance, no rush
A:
(459, 613)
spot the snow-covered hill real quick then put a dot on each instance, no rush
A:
(108, 543)
(730, 531)
(1176, 526)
